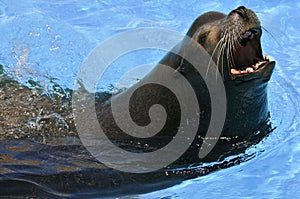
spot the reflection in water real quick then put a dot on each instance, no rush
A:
(41, 154)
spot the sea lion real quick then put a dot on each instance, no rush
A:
(233, 42)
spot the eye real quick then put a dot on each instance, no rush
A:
(202, 38)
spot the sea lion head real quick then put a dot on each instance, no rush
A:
(233, 41)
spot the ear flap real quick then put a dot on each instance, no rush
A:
(180, 61)
(182, 51)
(180, 66)
(173, 59)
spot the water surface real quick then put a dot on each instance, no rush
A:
(44, 42)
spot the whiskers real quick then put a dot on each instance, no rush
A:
(265, 21)
(226, 46)
(220, 45)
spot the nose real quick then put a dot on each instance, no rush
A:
(242, 11)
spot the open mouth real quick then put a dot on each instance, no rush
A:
(247, 55)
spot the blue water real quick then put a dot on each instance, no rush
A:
(42, 39)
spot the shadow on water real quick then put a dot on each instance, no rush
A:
(41, 154)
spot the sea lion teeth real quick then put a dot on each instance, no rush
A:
(244, 71)
(267, 58)
(238, 72)
(249, 70)
(235, 72)
(255, 66)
